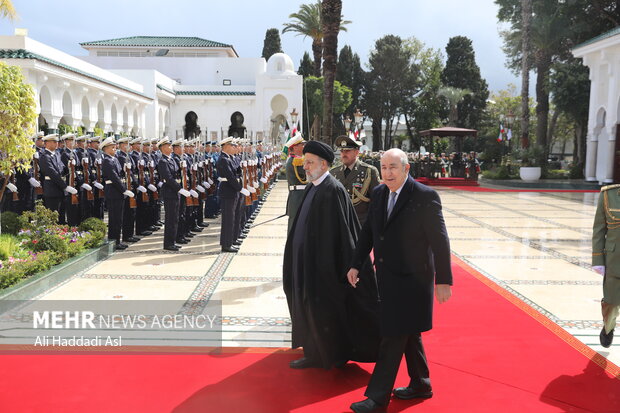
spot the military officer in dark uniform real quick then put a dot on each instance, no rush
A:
(54, 185)
(94, 159)
(229, 189)
(115, 191)
(606, 257)
(72, 166)
(295, 176)
(171, 188)
(129, 214)
(358, 178)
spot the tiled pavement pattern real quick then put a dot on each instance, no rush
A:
(535, 245)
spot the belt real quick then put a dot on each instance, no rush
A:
(47, 178)
(222, 179)
(108, 182)
(178, 181)
(297, 187)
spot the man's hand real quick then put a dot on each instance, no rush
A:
(443, 292)
(352, 277)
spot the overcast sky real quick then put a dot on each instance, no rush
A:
(63, 24)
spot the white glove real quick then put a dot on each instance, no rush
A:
(141, 189)
(72, 162)
(34, 182)
(36, 155)
(209, 181)
(129, 193)
(195, 167)
(141, 162)
(193, 193)
(183, 164)
(152, 163)
(252, 190)
(160, 184)
(11, 187)
(207, 185)
(263, 180)
(184, 192)
(245, 192)
(201, 164)
(85, 160)
(98, 161)
(152, 187)
(98, 185)
(600, 269)
(200, 188)
(87, 187)
(255, 184)
(71, 190)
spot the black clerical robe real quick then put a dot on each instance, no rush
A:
(330, 318)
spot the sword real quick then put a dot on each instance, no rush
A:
(269, 220)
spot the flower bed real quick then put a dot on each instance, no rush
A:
(42, 243)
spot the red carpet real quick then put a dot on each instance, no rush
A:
(487, 354)
(482, 189)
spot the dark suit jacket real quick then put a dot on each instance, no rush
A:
(51, 167)
(168, 170)
(411, 252)
(226, 168)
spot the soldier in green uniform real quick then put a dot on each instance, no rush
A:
(358, 178)
(296, 176)
(606, 257)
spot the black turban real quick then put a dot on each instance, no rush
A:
(320, 149)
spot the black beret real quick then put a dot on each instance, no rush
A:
(320, 149)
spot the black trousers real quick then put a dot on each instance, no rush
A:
(74, 215)
(240, 217)
(230, 209)
(54, 204)
(391, 352)
(181, 218)
(115, 218)
(129, 220)
(143, 215)
(171, 220)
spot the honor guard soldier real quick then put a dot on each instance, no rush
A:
(170, 191)
(358, 178)
(211, 204)
(84, 172)
(230, 193)
(606, 257)
(131, 181)
(95, 160)
(74, 178)
(295, 176)
(151, 182)
(177, 156)
(142, 199)
(156, 156)
(115, 190)
(54, 185)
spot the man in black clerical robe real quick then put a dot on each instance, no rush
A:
(332, 321)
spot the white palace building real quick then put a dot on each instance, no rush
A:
(147, 85)
(602, 56)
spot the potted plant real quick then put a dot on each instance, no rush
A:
(530, 161)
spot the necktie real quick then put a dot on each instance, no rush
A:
(391, 203)
(347, 171)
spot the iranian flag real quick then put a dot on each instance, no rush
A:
(500, 137)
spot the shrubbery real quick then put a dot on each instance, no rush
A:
(9, 223)
(41, 243)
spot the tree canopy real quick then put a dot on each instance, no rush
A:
(272, 43)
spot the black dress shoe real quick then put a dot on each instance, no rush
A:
(182, 241)
(121, 246)
(145, 233)
(407, 393)
(153, 228)
(303, 363)
(237, 243)
(243, 236)
(160, 222)
(230, 249)
(172, 248)
(197, 229)
(132, 239)
(190, 235)
(367, 406)
(606, 339)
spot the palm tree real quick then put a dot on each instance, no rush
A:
(7, 10)
(307, 23)
(526, 15)
(453, 95)
(331, 23)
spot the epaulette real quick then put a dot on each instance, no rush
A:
(608, 187)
